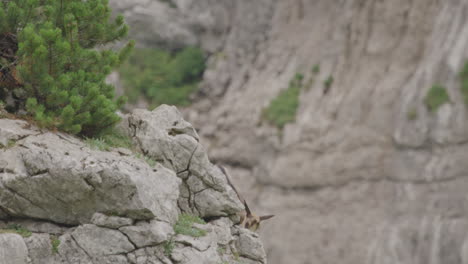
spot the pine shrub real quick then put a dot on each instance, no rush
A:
(54, 50)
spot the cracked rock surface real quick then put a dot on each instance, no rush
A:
(63, 202)
(367, 172)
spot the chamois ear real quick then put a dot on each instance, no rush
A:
(247, 209)
(265, 217)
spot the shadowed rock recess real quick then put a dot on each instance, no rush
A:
(366, 172)
(63, 202)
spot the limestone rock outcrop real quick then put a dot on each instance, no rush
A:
(367, 172)
(62, 201)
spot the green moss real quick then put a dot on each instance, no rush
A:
(283, 108)
(18, 229)
(185, 223)
(55, 244)
(163, 77)
(436, 97)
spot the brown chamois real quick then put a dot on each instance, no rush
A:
(247, 219)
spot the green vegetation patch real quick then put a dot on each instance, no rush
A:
(283, 108)
(163, 77)
(108, 140)
(169, 246)
(18, 229)
(436, 97)
(150, 161)
(328, 82)
(316, 68)
(185, 223)
(55, 244)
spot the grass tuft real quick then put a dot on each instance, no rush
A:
(55, 244)
(108, 140)
(168, 247)
(147, 159)
(18, 229)
(185, 223)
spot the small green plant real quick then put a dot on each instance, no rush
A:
(18, 229)
(316, 68)
(148, 160)
(168, 247)
(10, 144)
(412, 114)
(55, 244)
(283, 108)
(436, 97)
(163, 77)
(185, 223)
(221, 250)
(97, 143)
(110, 139)
(328, 82)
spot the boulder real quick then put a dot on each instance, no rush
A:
(13, 250)
(56, 177)
(165, 136)
(151, 233)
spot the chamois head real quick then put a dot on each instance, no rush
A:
(248, 219)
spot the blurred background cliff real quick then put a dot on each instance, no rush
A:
(346, 119)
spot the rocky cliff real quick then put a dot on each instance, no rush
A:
(61, 201)
(366, 173)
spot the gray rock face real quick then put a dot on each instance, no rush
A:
(98, 241)
(145, 234)
(110, 221)
(166, 137)
(201, 22)
(75, 205)
(13, 250)
(39, 172)
(365, 160)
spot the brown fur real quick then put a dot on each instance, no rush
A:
(247, 219)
